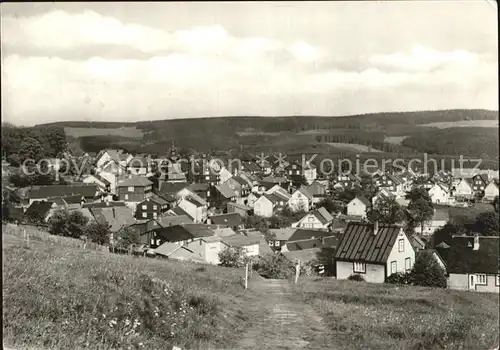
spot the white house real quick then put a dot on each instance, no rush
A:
(301, 199)
(310, 173)
(263, 206)
(100, 181)
(463, 189)
(439, 194)
(472, 264)
(250, 244)
(316, 219)
(374, 252)
(491, 191)
(358, 206)
(195, 209)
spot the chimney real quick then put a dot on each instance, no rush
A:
(375, 228)
(476, 242)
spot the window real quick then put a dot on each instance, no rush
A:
(389, 182)
(155, 215)
(497, 280)
(152, 241)
(126, 197)
(155, 207)
(144, 207)
(394, 267)
(144, 215)
(131, 188)
(401, 245)
(481, 279)
(359, 267)
(408, 264)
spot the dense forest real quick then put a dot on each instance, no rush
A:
(19, 144)
(475, 142)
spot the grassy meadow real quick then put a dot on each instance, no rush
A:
(57, 297)
(359, 315)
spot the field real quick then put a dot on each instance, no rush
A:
(353, 147)
(124, 131)
(464, 124)
(396, 140)
(368, 316)
(63, 297)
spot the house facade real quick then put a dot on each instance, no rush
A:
(374, 252)
(439, 194)
(316, 219)
(358, 206)
(491, 191)
(463, 189)
(301, 199)
(263, 206)
(472, 264)
(195, 209)
(134, 189)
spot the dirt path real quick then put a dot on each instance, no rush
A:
(282, 323)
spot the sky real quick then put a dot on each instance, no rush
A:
(142, 61)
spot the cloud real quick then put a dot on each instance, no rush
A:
(62, 66)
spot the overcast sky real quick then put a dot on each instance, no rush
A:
(143, 61)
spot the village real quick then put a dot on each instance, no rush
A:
(288, 210)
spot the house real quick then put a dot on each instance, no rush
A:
(345, 181)
(106, 155)
(300, 200)
(240, 186)
(224, 174)
(178, 211)
(310, 173)
(225, 193)
(439, 219)
(250, 244)
(40, 211)
(250, 167)
(373, 251)
(479, 183)
(178, 252)
(103, 184)
(282, 235)
(177, 233)
(463, 189)
(439, 194)
(308, 239)
(194, 207)
(491, 191)
(264, 205)
(170, 191)
(226, 220)
(187, 192)
(103, 204)
(417, 243)
(390, 182)
(472, 264)
(294, 171)
(38, 193)
(252, 198)
(201, 189)
(383, 193)
(70, 203)
(316, 219)
(117, 217)
(278, 189)
(135, 189)
(358, 206)
(317, 190)
(138, 166)
(241, 209)
(150, 208)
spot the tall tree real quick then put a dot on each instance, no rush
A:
(386, 211)
(30, 148)
(418, 193)
(421, 211)
(487, 223)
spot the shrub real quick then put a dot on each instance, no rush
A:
(356, 277)
(400, 278)
(233, 257)
(427, 272)
(275, 266)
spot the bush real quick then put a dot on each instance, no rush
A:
(400, 278)
(275, 266)
(356, 277)
(233, 257)
(427, 272)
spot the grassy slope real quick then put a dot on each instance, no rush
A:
(368, 316)
(56, 297)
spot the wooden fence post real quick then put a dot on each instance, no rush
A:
(297, 271)
(246, 275)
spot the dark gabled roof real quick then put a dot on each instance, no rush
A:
(231, 219)
(103, 180)
(363, 200)
(179, 211)
(360, 244)
(330, 241)
(303, 234)
(172, 233)
(194, 201)
(86, 190)
(172, 188)
(240, 180)
(199, 187)
(73, 199)
(239, 206)
(159, 199)
(267, 184)
(462, 259)
(138, 181)
(103, 204)
(38, 209)
(173, 220)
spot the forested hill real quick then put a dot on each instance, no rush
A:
(297, 123)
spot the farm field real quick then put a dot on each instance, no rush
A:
(354, 147)
(396, 140)
(76, 132)
(464, 124)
